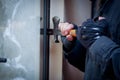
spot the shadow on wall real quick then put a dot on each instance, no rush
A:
(77, 11)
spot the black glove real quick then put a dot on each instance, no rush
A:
(91, 31)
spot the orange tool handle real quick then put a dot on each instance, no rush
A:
(73, 32)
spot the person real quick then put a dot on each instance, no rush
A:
(96, 49)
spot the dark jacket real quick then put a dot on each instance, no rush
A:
(102, 60)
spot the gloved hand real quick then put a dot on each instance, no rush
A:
(90, 31)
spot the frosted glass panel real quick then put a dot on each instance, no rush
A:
(19, 39)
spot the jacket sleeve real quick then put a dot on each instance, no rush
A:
(107, 52)
(76, 56)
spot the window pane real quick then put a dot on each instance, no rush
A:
(19, 39)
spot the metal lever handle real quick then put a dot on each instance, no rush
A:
(56, 21)
(56, 31)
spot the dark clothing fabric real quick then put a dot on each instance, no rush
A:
(90, 31)
(102, 59)
(101, 55)
(76, 56)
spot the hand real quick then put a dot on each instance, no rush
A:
(67, 40)
(90, 31)
(65, 29)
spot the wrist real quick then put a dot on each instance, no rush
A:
(68, 45)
